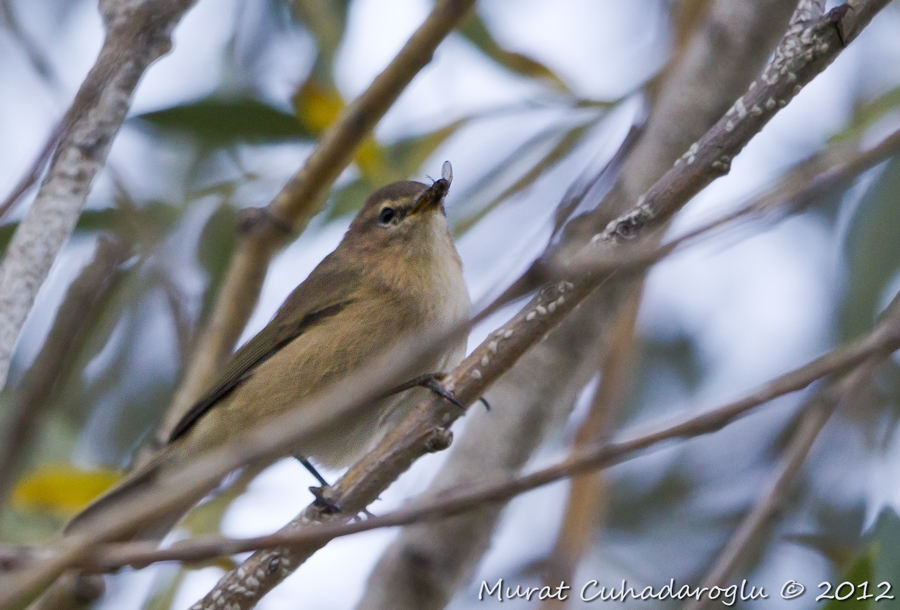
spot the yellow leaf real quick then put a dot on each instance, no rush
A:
(62, 488)
(317, 105)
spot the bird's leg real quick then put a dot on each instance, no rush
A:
(432, 381)
(312, 470)
(319, 492)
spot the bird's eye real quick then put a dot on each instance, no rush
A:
(386, 215)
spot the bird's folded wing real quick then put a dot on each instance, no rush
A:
(325, 293)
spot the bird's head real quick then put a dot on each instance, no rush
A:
(405, 221)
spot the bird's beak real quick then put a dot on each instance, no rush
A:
(433, 197)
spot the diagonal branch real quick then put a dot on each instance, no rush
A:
(137, 34)
(426, 565)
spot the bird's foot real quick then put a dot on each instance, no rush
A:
(323, 502)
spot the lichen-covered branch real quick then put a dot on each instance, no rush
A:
(809, 46)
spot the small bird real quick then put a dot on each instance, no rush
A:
(396, 273)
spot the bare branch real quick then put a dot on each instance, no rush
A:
(137, 34)
(750, 533)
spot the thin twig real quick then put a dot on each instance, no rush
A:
(750, 533)
(803, 186)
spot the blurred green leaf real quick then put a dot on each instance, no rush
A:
(214, 251)
(872, 252)
(869, 113)
(397, 161)
(885, 538)
(407, 155)
(474, 29)
(348, 198)
(6, 233)
(878, 562)
(164, 592)
(860, 572)
(102, 220)
(221, 121)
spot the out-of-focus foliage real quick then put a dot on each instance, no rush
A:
(224, 122)
(61, 488)
(872, 252)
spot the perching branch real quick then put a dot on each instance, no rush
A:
(425, 566)
(881, 342)
(137, 34)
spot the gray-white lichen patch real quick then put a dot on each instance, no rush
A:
(634, 219)
(740, 108)
(722, 164)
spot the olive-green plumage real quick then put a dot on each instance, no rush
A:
(395, 273)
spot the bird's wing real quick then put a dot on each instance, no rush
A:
(327, 291)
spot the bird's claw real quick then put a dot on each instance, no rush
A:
(322, 502)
